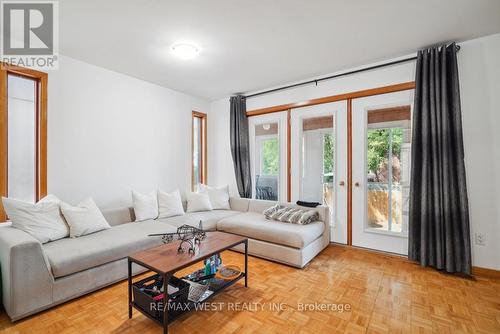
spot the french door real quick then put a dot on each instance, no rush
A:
(381, 136)
(311, 164)
(318, 155)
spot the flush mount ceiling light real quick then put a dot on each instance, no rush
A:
(185, 51)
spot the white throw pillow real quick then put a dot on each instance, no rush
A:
(85, 218)
(219, 197)
(198, 202)
(169, 204)
(145, 206)
(42, 220)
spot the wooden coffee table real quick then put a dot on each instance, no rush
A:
(165, 261)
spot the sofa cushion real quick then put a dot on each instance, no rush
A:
(239, 204)
(42, 220)
(254, 225)
(68, 256)
(117, 216)
(83, 219)
(209, 218)
(259, 205)
(145, 206)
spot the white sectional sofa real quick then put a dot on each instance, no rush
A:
(38, 276)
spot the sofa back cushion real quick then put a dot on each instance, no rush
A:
(170, 204)
(118, 216)
(198, 202)
(258, 205)
(239, 204)
(219, 197)
(145, 205)
(83, 219)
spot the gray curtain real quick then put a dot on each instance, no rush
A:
(240, 148)
(439, 216)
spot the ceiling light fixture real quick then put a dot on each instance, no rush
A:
(185, 51)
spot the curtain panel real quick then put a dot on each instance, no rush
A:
(439, 234)
(240, 147)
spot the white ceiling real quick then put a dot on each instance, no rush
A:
(256, 44)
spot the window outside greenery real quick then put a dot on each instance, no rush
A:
(378, 152)
(270, 157)
(328, 152)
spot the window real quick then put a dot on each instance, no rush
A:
(388, 153)
(269, 152)
(23, 133)
(199, 163)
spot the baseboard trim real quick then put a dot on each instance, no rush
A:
(486, 272)
(400, 256)
(476, 271)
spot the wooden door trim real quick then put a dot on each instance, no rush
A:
(334, 98)
(3, 141)
(204, 156)
(42, 138)
(349, 171)
(41, 79)
(289, 155)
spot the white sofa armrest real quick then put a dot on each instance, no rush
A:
(27, 280)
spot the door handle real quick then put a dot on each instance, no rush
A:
(356, 184)
(341, 183)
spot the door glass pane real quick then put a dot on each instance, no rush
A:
(318, 160)
(197, 151)
(267, 161)
(388, 163)
(21, 138)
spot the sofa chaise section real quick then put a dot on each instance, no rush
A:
(291, 244)
(255, 226)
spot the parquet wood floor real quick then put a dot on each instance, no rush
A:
(387, 295)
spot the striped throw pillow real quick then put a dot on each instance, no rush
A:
(270, 211)
(291, 215)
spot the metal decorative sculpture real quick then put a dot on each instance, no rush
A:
(186, 234)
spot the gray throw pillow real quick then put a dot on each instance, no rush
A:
(272, 210)
(291, 215)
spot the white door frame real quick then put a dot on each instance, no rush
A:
(281, 119)
(362, 236)
(338, 219)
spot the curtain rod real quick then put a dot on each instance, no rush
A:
(315, 81)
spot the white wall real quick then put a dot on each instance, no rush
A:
(480, 81)
(479, 65)
(109, 133)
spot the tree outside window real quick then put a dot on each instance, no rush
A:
(270, 157)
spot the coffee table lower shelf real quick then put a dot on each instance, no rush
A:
(189, 306)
